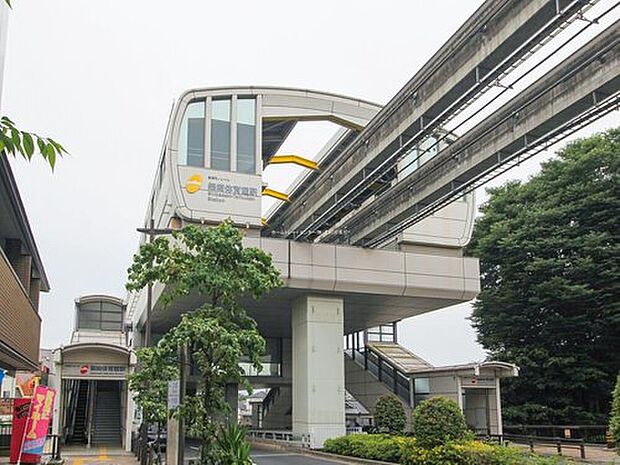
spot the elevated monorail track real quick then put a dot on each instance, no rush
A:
(500, 36)
(582, 88)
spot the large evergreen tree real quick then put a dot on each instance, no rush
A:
(549, 257)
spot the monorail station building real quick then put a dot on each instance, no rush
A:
(332, 327)
(94, 406)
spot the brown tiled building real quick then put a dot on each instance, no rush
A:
(22, 278)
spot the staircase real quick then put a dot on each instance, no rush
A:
(107, 415)
(278, 408)
(381, 368)
(78, 435)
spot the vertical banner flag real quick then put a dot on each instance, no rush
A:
(21, 409)
(37, 425)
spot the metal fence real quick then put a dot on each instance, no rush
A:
(591, 434)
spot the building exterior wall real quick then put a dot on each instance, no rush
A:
(20, 324)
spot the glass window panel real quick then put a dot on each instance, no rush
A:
(220, 135)
(112, 308)
(192, 135)
(422, 385)
(91, 306)
(110, 326)
(246, 135)
(89, 324)
(107, 316)
(90, 316)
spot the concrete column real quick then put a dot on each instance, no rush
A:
(318, 368)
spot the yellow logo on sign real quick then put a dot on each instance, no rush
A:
(193, 183)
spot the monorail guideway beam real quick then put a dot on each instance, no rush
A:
(497, 38)
(582, 88)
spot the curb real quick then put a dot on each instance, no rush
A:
(345, 459)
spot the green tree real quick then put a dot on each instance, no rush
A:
(213, 264)
(17, 142)
(150, 385)
(438, 421)
(548, 252)
(614, 417)
(389, 415)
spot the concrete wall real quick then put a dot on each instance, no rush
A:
(367, 389)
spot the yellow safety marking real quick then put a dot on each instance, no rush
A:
(263, 221)
(296, 160)
(275, 194)
(77, 462)
(103, 453)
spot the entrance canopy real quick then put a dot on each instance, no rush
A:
(94, 361)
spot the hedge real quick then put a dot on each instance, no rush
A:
(476, 453)
(371, 446)
(406, 451)
(614, 415)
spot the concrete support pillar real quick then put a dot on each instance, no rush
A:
(318, 369)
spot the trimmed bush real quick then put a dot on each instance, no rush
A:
(476, 453)
(614, 415)
(371, 446)
(389, 415)
(438, 421)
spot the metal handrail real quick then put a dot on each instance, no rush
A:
(381, 360)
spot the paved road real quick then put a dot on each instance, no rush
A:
(267, 456)
(276, 457)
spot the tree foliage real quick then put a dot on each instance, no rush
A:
(389, 415)
(150, 384)
(614, 417)
(548, 252)
(17, 142)
(438, 421)
(211, 263)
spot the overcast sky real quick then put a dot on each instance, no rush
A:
(101, 76)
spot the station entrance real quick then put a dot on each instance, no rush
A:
(92, 412)
(94, 406)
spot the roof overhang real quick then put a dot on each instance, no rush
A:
(16, 209)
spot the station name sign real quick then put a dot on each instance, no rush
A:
(95, 370)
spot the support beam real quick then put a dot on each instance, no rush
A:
(318, 369)
(295, 160)
(275, 194)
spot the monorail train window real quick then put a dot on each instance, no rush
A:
(192, 135)
(246, 135)
(220, 134)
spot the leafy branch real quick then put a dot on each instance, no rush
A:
(16, 141)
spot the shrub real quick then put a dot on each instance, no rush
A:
(371, 446)
(614, 416)
(438, 421)
(475, 453)
(389, 415)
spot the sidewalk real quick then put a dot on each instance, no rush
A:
(98, 456)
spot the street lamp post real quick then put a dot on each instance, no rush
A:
(151, 232)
